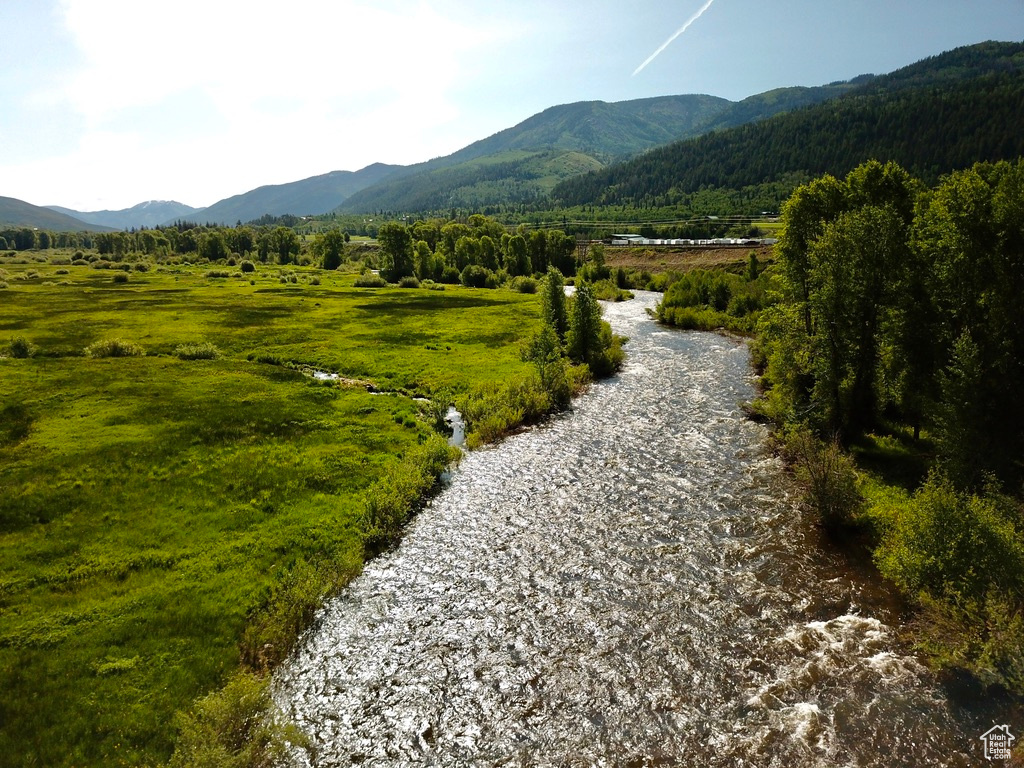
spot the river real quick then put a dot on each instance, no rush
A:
(630, 584)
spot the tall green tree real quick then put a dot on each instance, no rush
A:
(396, 260)
(285, 244)
(517, 257)
(583, 337)
(553, 304)
(329, 248)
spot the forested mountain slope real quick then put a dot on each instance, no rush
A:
(943, 113)
(523, 164)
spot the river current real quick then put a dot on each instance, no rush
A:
(630, 584)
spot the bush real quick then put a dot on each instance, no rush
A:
(275, 628)
(474, 276)
(827, 477)
(451, 276)
(370, 280)
(248, 266)
(21, 347)
(218, 273)
(140, 266)
(114, 348)
(409, 281)
(202, 350)
(524, 285)
(121, 277)
(63, 272)
(393, 499)
(232, 728)
(954, 546)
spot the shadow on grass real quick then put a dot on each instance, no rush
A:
(413, 304)
(894, 456)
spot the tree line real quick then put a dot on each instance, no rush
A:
(898, 313)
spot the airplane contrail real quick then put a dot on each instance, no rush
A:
(678, 32)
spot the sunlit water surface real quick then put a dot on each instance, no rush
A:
(630, 584)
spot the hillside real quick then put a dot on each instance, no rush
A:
(150, 214)
(18, 213)
(524, 163)
(315, 195)
(940, 114)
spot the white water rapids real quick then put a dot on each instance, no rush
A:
(630, 584)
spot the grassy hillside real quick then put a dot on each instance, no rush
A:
(154, 505)
(522, 164)
(508, 178)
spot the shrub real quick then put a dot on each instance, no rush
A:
(952, 545)
(218, 273)
(606, 290)
(275, 627)
(79, 263)
(474, 276)
(114, 348)
(451, 276)
(409, 281)
(203, 350)
(827, 477)
(121, 277)
(63, 272)
(370, 280)
(525, 285)
(21, 347)
(140, 266)
(3, 285)
(248, 266)
(393, 499)
(232, 728)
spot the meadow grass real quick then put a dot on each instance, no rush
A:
(155, 510)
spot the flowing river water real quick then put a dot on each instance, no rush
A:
(630, 584)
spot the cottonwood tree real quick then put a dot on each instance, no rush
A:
(396, 259)
(329, 248)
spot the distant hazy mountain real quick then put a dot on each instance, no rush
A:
(18, 213)
(319, 194)
(149, 214)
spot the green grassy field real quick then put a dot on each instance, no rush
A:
(151, 505)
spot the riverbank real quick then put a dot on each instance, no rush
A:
(631, 581)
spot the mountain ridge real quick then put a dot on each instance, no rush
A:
(945, 112)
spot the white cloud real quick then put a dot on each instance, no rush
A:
(276, 92)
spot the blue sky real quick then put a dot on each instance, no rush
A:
(107, 103)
